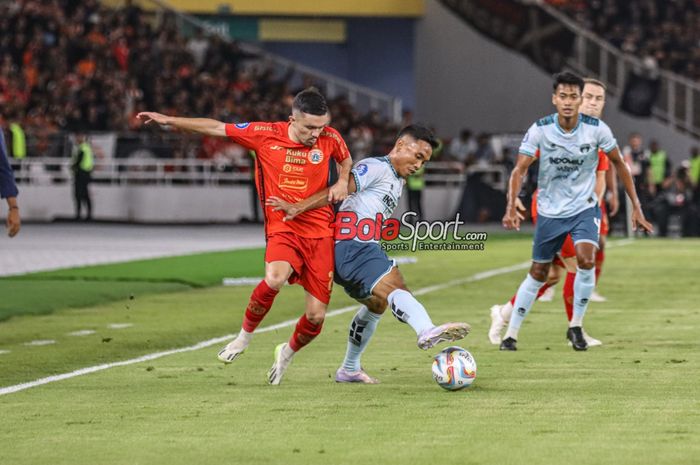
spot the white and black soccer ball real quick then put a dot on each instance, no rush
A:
(454, 368)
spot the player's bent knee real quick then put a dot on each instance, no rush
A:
(376, 306)
(275, 280)
(316, 318)
(586, 264)
(539, 271)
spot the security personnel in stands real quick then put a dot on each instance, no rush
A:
(18, 146)
(82, 164)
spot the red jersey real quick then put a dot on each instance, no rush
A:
(292, 172)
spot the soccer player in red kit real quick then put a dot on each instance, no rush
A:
(292, 164)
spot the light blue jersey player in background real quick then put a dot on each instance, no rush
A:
(361, 266)
(568, 143)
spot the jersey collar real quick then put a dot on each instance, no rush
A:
(386, 159)
(561, 131)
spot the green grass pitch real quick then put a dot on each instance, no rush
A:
(633, 401)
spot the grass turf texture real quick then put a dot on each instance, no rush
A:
(633, 400)
(46, 292)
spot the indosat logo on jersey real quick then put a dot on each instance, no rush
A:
(407, 233)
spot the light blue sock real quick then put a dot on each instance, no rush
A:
(362, 328)
(527, 292)
(407, 309)
(583, 287)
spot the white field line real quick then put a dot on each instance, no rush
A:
(120, 325)
(218, 340)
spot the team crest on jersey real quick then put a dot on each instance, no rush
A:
(585, 148)
(361, 169)
(315, 156)
(242, 125)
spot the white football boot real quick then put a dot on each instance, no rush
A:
(274, 376)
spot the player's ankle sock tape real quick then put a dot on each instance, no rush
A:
(362, 328)
(407, 309)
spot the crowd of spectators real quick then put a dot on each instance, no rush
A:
(664, 33)
(77, 65)
(665, 190)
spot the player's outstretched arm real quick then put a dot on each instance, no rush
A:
(511, 220)
(611, 181)
(638, 219)
(317, 200)
(209, 127)
(339, 191)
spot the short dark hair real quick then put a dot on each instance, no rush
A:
(420, 133)
(310, 101)
(568, 78)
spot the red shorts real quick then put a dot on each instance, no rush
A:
(604, 220)
(311, 259)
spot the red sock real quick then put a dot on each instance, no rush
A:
(568, 294)
(260, 303)
(304, 333)
(599, 259)
(539, 293)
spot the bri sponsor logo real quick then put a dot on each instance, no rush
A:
(242, 125)
(407, 233)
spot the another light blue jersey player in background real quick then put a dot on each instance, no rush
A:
(568, 143)
(362, 267)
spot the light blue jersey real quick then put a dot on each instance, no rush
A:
(568, 163)
(378, 191)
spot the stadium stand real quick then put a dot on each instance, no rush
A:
(663, 33)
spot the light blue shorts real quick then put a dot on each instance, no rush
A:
(550, 233)
(359, 266)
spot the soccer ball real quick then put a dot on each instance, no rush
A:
(454, 368)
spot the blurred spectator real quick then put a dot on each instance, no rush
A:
(462, 147)
(637, 158)
(693, 165)
(82, 164)
(484, 154)
(676, 198)
(659, 168)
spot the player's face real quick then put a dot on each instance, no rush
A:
(567, 99)
(306, 128)
(593, 100)
(411, 155)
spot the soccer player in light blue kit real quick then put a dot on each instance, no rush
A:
(361, 266)
(568, 143)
